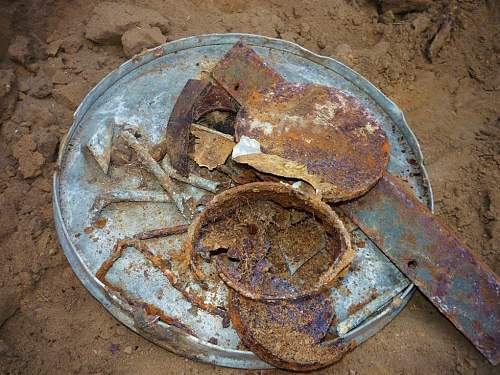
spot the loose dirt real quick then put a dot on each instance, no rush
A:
(53, 52)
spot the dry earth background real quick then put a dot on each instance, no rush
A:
(49, 324)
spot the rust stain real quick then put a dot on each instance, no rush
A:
(162, 232)
(354, 308)
(100, 222)
(162, 264)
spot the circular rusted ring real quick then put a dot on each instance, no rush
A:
(288, 197)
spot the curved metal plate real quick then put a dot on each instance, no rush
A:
(142, 92)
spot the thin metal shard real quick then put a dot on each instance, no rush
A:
(211, 148)
(154, 168)
(105, 199)
(455, 279)
(177, 133)
(100, 146)
(192, 179)
(242, 73)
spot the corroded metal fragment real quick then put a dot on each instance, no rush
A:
(211, 147)
(164, 266)
(148, 308)
(261, 242)
(154, 168)
(215, 99)
(192, 179)
(242, 73)
(100, 146)
(451, 275)
(181, 118)
(309, 132)
(287, 334)
(107, 198)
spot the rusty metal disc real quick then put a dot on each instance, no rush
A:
(288, 334)
(310, 132)
(343, 148)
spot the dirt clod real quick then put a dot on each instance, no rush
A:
(41, 86)
(71, 44)
(20, 50)
(8, 93)
(111, 20)
(27, 50)
(137, 39)
(30, 161)
(47, 143)
(9, 303)
(71, 94)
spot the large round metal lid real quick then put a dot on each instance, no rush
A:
(94, 210)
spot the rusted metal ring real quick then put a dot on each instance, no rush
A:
(288, 197)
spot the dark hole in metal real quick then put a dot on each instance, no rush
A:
(219, 251)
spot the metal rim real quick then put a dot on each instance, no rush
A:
(208, 352)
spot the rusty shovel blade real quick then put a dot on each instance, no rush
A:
(455, 279)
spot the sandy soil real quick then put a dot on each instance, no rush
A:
(49, 324)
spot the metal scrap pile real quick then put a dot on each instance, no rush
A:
(272, 155)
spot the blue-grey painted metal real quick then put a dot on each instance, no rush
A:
(451, 275)
(142, 92)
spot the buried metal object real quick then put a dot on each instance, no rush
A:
(288, 334)
(291, 122)
(142, 92)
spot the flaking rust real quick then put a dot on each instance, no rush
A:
(177, 133)
(253, 277)
(455, 279)
(309, 132)
(288, 334)
(197, 99)
(215, 99)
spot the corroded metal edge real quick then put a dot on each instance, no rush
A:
(208, 352)
(454, 278)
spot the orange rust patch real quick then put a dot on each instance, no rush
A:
(100, 223)
(358, 306)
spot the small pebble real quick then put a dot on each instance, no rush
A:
(127, 350)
